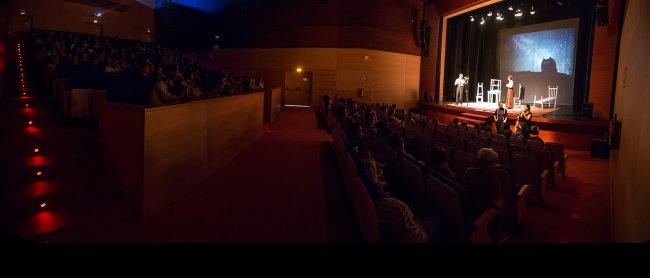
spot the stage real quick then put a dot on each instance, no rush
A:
(491, 107)
(556, 124)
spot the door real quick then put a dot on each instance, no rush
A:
(297, 88)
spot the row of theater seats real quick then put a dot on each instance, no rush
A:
(533, 162)
(423, 190)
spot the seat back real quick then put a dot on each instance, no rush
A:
(447, 202)
(424, 148)
(545, 158)
(552, 91)
(429, 131)
(527, 171)
(508, 192)
(365, 212)
(474, 146)
(517, 141)
(441, 137)
(462, 161)
(457, 143)
(504, 156)
(534, 144)
(498, 143)
(465, 133)
(415, 187)
(518, 149)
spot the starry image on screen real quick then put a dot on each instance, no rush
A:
(542, 51)
(539, 56)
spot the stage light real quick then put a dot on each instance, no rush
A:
(98, 14)
(23, 12)
(499, 16)
(30, 123)
(26, 104)
(532, 10)
(482, 21)
(519, 13)
(43, 205)
(298, 69)
(36, 150)
(24, 94)
(489, 13)
(471, 18)
(39, 173)
(510, 8)
(95, 21)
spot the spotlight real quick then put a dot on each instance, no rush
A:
(98, 14)
(36, 150)
(95, 21)
(30, 122)
(532, 10)
(298, 69)
(43, 205)
(489, 13)
(39, 173)
(499, 16)
(482, 20)
(510, 8)
(24, 94)
(471, 18)
(26, 104)
(519, 13)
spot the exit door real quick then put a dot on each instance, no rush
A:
(298, 88)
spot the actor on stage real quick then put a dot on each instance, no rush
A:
(524, 122)
(460, 85)
(501, 118)
(510, 96)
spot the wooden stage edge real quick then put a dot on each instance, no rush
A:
(573, 134)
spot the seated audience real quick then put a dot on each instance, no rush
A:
(482, 182)
(439, 163)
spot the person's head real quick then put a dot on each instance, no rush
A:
(460, 75)
(487, 157)
(500, 104)
(455, 121)
(527, 107)
(509, 77)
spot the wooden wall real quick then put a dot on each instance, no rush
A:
(629, 165)
(162, 153)
(603, 63)
(391, 77)
(272, 103)
(74, 17)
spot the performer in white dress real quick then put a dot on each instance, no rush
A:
(510, 96)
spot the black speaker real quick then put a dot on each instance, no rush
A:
(599, 147)
(587, 111)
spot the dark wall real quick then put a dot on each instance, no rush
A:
(4, 28)
(386, 25)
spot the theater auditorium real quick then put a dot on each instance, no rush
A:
(324, 121)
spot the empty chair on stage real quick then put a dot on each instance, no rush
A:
(495, 91)
(552, 97)
(479, 92)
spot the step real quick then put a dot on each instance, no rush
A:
(475, 116)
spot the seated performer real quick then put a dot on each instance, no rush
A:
(460, 85)
(501, 118)
(524, 123)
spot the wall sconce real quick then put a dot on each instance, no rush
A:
(299, 69)
(365, 57)
(22, 12)
(148, 30)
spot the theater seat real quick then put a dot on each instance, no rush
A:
(545, 158)
(512, 201)
(365, 212)
(528, 170)
(457, 143)
(415, 187)
(558, 155)
(462, 161)
(521, 149)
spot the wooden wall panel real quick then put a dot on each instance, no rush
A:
(391, 77)
(73, 17)
(164, 152)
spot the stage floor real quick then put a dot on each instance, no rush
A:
(490, 107)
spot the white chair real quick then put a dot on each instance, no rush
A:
(479, 92)
(552, 96)
(495, 91)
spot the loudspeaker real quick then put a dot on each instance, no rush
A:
(587, 111)
(599, 148)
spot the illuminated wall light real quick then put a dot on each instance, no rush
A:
(532, 10)
(299, 69)
(519, 13)
(482, 21)
(30, 123)
(26, 104)
(499, 16)
(36, 149)
(471, 18)
(39, 173)
(510, 8)
(43, 205)
(489, 13)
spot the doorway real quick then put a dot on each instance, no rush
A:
(298, 86)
